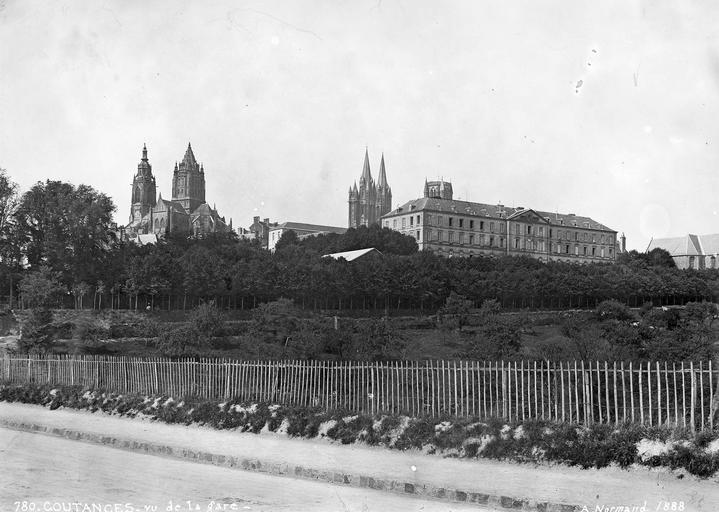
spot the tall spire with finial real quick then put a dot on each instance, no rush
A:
(382, 181)
(366, 174)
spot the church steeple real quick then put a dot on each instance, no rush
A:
(382, 181)
(366, 173)
(188, 182)
(372, 199)
(143, 189)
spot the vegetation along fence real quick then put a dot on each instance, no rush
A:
(651, 393)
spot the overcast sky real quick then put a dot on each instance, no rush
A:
(605, 109)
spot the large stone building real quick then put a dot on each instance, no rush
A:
(462, 228)
(186, 212)
(371, 200)
(690, 251)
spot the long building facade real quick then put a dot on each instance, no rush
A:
(450, 227)
(187, 211)
(372, 199)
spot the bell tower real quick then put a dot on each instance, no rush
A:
(188, 182)
(143, 189)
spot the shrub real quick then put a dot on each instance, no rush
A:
(38, 332)
(613, 310)
(207, 320)
(88, 329)
(596, 445)
(182, 342)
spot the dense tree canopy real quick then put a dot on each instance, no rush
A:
(67, 229)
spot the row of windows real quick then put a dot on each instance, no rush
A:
(518, 243)
(493, 227)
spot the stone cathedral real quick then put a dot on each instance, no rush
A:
(371, 200)
(186, 212)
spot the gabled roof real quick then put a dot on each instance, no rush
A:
(710, 244)
(687, 245)
(353, 255)
(169, 205)
(301, 226)
(203, 209)
(528, 212)
(492, 210)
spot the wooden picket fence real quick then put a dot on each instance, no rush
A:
(576, 392)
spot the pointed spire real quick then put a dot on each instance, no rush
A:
(426, 187)
(175, 165)
(366, 174)
(144, 152)
(159, 198)
(382, 175)
(189, 161)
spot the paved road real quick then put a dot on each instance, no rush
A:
(52, 474)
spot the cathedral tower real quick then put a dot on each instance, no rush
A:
(143, 189)
(188, 182)
(372, 199)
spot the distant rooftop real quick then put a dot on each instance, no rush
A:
(352, 255)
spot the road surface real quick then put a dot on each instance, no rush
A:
(44, 473)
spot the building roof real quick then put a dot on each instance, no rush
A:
(687, 245)
(353, 255)
(492, 210)
(169, 205)
(149, 238)
(301, 226)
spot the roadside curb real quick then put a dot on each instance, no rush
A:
(296, 471)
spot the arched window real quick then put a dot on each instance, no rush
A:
(157, 223)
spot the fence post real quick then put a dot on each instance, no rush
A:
(693, 395)
(701, 390)
(157, 377)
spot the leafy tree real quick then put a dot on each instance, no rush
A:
(207, 320)
(9, 248)
(66, 228)
(41, 288)
(37, 331)
(288, 238)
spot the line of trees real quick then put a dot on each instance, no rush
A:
(67, 231)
